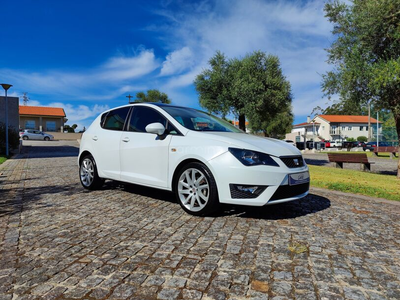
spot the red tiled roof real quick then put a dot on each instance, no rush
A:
(237, 123)
(305, 124)
(347, 119)
(41, 111)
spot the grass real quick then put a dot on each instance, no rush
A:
(356, 182)
(2, 159)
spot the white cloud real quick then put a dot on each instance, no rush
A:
(177, 61)
(111, 75)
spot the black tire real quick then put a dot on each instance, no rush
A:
(46, 138)
(88, 173)
(194, 203)
(25, 138)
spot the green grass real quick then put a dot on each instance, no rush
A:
(356, 182)
(2, 159)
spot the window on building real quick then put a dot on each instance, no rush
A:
(30, 124)
(50, 126)
(343, 128)
(361, 128)
(349, 128)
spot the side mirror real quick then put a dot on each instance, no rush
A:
(156, 128)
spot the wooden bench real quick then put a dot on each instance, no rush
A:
(340, 158)
(392, 150)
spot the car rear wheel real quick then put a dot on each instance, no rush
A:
(196, 190)
(25, 138)
(88, 174)
(46, 138)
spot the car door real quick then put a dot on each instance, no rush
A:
(144, 156)
(36, 135)
(105, 143)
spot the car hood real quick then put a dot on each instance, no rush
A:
(247, 141)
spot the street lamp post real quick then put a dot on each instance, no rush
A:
(6, 87)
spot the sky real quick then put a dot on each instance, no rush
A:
(87, 56)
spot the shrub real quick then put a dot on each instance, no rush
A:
(362, 139)
(13, 138)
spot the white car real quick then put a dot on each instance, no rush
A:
(204, 160)
(30, 134)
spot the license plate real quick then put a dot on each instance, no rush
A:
(299, 178)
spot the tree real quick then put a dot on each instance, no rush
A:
(252, 87)
(152, 96)
(362, 139)
(70, 129)
(365, 54)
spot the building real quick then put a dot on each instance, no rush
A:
(42, 118)
(334, 127)
(13, 116)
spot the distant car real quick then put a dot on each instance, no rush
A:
(327, 144)
(29, 134)
(350, 144)
(372, 145)
(290, 142)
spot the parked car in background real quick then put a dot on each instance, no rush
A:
(372, 145)
(204, 160)
(327, 144)
(290, 142)
(352, 144)
(29, 134)
(336, 143)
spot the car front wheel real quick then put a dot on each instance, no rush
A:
(25, 138)
(196, 190)
(46, 138)
(88, 174)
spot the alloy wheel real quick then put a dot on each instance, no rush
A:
(193, 190)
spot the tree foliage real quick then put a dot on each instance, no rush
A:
(152, 96)
(253, 87)
(365, 54)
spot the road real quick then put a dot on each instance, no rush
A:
(59, 241)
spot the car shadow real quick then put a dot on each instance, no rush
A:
(48, 151)
(316, 162)
(289, 210)
(140, 190)
(308, 205)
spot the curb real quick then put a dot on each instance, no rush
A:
(358, 197)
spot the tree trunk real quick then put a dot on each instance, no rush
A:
(397, 121)
(242, 122)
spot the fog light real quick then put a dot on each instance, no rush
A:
(246, 191)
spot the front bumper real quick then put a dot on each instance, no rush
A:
(230, 173)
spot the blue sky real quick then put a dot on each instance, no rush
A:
(87, 56)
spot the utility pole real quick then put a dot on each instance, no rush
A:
(369, 121)
(129, 97)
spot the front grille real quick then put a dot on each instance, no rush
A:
(238, 194)
(289, 191)
(293, 161)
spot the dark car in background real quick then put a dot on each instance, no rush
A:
(372, 145)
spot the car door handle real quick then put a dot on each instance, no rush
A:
(94, 138)
(126, 139)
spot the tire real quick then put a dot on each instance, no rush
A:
(200, 197)
(88, 173)
(25, 138)
(46, 138)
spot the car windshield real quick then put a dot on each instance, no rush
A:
(199, 121)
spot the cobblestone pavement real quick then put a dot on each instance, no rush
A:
(59, 241)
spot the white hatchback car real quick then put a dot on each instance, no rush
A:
(202, 159)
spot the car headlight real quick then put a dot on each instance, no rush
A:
(252, 158)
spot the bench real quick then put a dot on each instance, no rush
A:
(392, 150)
(339, 159)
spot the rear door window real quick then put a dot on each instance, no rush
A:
(115, 119)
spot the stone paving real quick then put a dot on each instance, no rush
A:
(59, 241)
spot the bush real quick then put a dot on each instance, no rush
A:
(13, 138)
(362, 139)
(351, 139)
